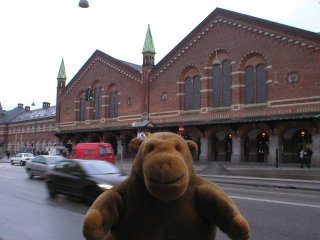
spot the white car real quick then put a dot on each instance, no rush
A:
(21, 158)
(40, 165)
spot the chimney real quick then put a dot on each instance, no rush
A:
(45, 105)
(27, 109)
(20, 105)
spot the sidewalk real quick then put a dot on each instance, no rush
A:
(284, 171)
(286, 176)
(4, 160)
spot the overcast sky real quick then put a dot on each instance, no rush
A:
(37, 34)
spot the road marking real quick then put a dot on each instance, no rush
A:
(12, 168)
(6, 177)
(272, 192)
(273, 201)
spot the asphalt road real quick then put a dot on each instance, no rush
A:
(26, 211)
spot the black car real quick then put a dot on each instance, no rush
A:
(86, 179)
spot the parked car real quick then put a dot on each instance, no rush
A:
(21, 158)
(98, 150)
(40, 165)
(83, 178)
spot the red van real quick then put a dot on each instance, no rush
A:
(102, 151)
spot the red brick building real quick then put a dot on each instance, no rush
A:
(245, 89)
(26, 130)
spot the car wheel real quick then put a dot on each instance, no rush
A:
(51, 190)
(21, 163)
(12, 163)
(30, 173)
(89, 194)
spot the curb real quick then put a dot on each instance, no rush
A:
(310, 185)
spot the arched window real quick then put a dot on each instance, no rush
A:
(113, 104)
(97, 103)
(250, 86)
(256, 88)
(82, 115)
(261, 84)
(192, 95)
(221, 84)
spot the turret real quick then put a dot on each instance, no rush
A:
(148, 63)
(61, 76)
(60, 86)
(148, 49)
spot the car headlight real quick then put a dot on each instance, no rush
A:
(105, 186)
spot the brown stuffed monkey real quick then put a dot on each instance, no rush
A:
(164, 199)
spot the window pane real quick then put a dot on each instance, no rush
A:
(226, 78)
(111, 105)
(261, 84)
(97, 103)
(116, 100)
(216, 85)
(188, 94)
(196, 92)
(250, 96)
(82, 109)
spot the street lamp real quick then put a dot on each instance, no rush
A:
(302, 135)
(83, 4)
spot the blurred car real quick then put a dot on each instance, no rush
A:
(39, 165)
(21, 158)
(83, 178)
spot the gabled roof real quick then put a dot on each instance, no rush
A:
(7, 116)
(131, 70)
(222, 15)
(36, 114)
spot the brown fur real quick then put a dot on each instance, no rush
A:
(163, 199)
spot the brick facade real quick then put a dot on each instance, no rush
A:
(268, 76)
(274, 129)
(25, 130)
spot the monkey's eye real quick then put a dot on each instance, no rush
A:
(178, 147)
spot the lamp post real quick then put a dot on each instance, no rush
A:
(83, 4)
(303, 143)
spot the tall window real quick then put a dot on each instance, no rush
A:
(113, 104)
(256, 87)
(82, 115)
(192, 95)
(221, 83)
(97, 103)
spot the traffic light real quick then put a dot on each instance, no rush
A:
(89, 94)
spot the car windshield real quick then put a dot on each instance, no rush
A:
(99, 167)
(53, 160)
(25, 155)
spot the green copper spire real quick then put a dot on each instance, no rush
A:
(62, 71)
(148, 43)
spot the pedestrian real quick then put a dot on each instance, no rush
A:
(309, 155)
(304, 158)
(8, 154)
(301, 155)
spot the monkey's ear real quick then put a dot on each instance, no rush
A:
(193, 147)
(135, 144)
